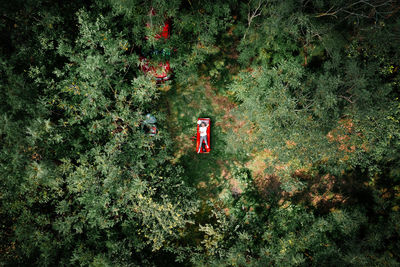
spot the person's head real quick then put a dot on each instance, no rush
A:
(203, 124)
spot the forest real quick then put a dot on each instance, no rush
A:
(303, 98)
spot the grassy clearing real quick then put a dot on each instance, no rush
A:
(185, 105)
(206, 96)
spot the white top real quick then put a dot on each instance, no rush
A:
(203, 131)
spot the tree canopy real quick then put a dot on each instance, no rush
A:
(304, 102)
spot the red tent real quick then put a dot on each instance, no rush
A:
(203, 146)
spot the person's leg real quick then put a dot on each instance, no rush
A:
(201, 142)
(205, 140)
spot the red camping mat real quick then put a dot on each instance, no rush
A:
(204, 148)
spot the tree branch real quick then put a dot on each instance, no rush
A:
(251, 15)
(355, 9)
(347, 99)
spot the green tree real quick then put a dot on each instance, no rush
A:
(86, 184)
(317, 87)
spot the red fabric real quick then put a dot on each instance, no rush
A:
(208, 121)
(165, 31)
(161, 71)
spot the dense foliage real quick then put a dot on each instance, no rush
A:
(315, 83)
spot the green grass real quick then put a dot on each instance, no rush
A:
(185, 106)
(186, 103)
